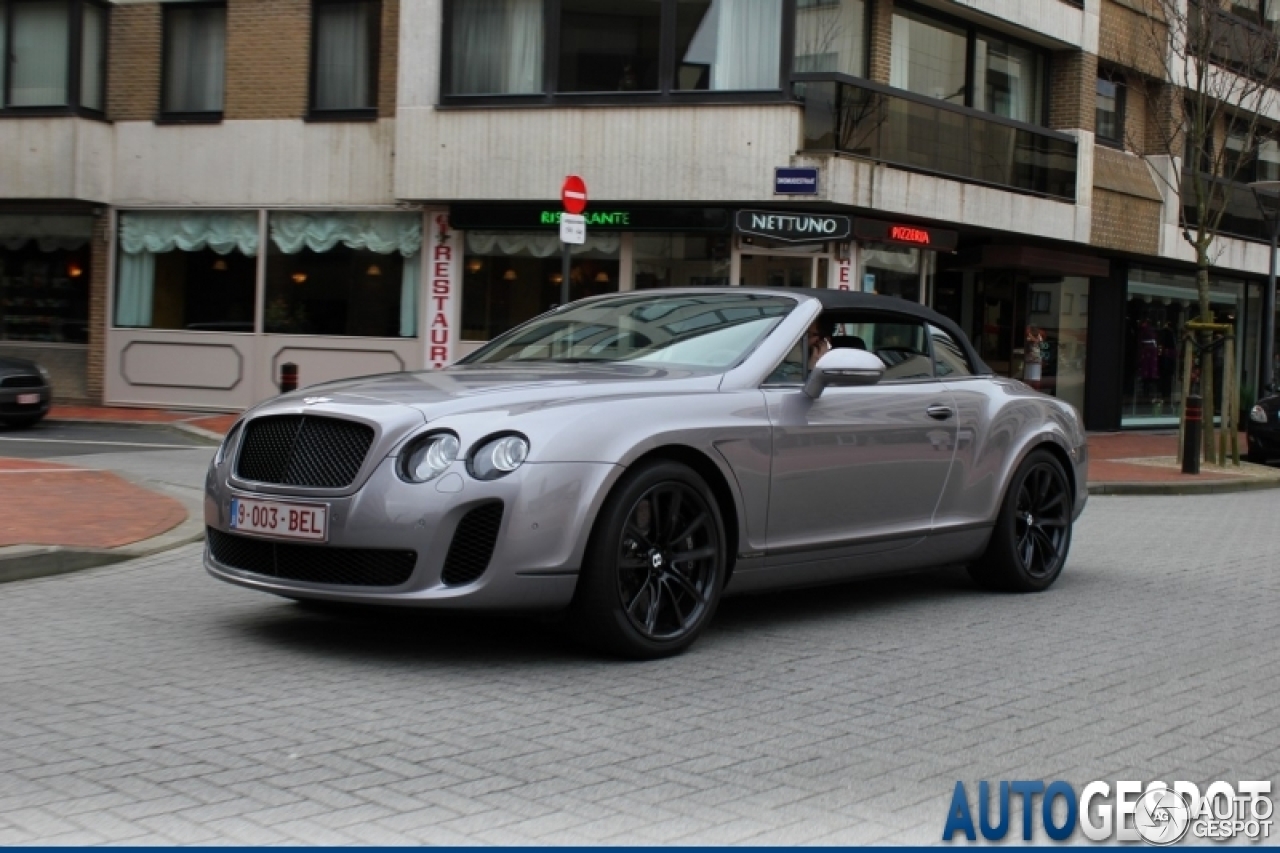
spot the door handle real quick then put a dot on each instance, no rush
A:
(940, 413)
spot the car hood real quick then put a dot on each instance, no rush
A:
(500, 387)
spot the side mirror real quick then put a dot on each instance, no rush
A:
(844, 368)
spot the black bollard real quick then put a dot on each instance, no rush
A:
(288, 377)
(1191, 436)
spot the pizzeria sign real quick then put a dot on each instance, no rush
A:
(793, 227)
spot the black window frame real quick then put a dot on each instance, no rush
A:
(75, 51)
(666, 94)
(369, 113)
(1121, 94)
(972, 32)
(869, 8)
(188, 116)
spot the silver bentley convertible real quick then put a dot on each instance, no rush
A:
(629, 459)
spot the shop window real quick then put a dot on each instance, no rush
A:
(344, 57)
(681, 260)
(192, 271)
(44, 278)
(612, 47)
(194, 60)
(1109, 112)
(41, 68)
(510, 277)
(831, 35)
(953, 61)
(891, 271)
(343, 274)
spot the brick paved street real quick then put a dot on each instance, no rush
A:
(146, 702)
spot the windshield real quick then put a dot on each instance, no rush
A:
(711, 331)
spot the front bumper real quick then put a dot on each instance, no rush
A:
(11, 408)
(547, 510)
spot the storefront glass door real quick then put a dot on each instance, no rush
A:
(783, 270)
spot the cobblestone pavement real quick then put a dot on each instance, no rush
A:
(146, 702)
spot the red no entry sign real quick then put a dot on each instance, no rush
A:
(574, 194)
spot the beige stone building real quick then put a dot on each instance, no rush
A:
(193, 194)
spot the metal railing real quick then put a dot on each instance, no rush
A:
(853, 116)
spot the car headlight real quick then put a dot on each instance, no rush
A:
(223, 448)
(1258, 415)
(499, 456)
(427, 458)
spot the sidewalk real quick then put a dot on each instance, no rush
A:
(63, 517)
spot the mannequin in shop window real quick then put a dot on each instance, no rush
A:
(1033, 356)
(1149, 362)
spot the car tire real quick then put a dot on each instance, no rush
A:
(23, 421)
(1032, 536)
(655, 564)
(1255, 457)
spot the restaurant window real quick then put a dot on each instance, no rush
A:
(194, 60)
(41, 67)
(681, 260)
(1109, 112)
(513, 276)
(891, 271)
(343, 274)
(192, 271)
(831, 35)
(954, 62)
(44, 278)
(344, 56)
(607, 47)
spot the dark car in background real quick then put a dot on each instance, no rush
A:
(25, 392)
(1263, 429)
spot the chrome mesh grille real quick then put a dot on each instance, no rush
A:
(312, 563)
(303, 450)
(472, 546)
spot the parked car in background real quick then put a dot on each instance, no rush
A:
(1263, 430)
(25, 392)
(629, 458)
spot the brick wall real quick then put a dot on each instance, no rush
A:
(1125, 223)
(1072, 90)
(1129, 39)
(96, 356)
(268, 59)
(133, 73)
(881, 40)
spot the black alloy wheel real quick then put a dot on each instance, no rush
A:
(1032, 535)
(655, 564)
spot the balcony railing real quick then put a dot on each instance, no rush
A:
(1242, 217)
(852, 116)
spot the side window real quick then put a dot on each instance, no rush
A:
(791, 370)
(949, 359)
(899, 342)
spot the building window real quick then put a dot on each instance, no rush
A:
(192, 271)
(1265, 12)
(831, 35)
(681, 260)
(344, 56)
(343, 274)
(607, 47)
(954, 62)
(44, 278)
(1245, 161)
(195, 38)
(1110, 112)
(42, 68)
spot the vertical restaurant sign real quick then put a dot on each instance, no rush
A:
(442, 292)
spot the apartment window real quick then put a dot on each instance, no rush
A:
(831, 35)
(952, 61)
(1265, 12)
(344, 56)
(44, 67)
(195, 36)
(612, 48)
(1109, 112)
(1246, 160)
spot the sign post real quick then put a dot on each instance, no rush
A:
(573, 226)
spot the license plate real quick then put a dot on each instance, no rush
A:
(28, 399)
(283, 520)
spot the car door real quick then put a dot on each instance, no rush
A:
(862, 466)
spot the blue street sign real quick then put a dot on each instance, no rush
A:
(801, 181)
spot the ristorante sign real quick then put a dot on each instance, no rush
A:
(793, 227)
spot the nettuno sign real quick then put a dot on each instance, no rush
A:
(793, 227)
(606, 218)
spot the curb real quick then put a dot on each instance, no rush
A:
(1206, 487)
(198, 432)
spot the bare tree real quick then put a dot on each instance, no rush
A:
(1211, 78)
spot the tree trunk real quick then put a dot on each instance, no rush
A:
(1205, 357)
